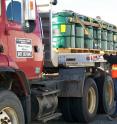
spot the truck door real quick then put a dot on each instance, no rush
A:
(13, 26)
(21, 45)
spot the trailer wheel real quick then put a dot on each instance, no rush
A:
(64, 104)
(108, 95)
(84, 109)
(100, 83)
(11, 111)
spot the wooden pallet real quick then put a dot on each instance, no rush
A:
(110, 52)
(83, 50)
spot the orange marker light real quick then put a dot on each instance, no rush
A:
(31, 5)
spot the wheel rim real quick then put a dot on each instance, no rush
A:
(91, 100)
(8, 116)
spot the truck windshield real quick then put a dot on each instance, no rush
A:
(0, 7)
(13, 10)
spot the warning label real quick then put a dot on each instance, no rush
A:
(24, 48)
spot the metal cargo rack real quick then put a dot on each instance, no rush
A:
(77, 57)
(72, 57)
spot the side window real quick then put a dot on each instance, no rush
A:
(0, 8)
(13, 10)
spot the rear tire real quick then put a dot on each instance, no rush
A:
(84, 109)
(64, 104)
(108, 95)
(10, 109)
(100, 83)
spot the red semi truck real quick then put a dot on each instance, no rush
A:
(77, 89)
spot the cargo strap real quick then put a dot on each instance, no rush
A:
(77, 20)
(101, 25)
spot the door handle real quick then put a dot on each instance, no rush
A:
(1, 48)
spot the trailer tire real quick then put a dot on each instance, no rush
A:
(64, 104)
(108, 95)
(100, 82)
(105, 87)
(84, 109)
(10, 108)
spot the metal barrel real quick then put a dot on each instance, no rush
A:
(79, 34)
(104, 39)
(99, 33)
(88, 38)
(110, 40)
(97, 38)
(115, 40)
(63, 30)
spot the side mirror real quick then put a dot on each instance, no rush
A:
(29, 15)
(53, 2)
(29, 26)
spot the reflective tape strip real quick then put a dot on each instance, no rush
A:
(114, 68)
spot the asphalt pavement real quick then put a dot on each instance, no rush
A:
(100, 119)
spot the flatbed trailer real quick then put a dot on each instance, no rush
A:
(83, 75)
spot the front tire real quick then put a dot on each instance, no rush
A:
(11, 111)
(84, 109)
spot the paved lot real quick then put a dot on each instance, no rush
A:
(100, 119)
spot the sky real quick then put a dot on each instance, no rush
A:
(106, 9)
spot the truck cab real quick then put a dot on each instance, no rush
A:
(21, 58)
(24, 49)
